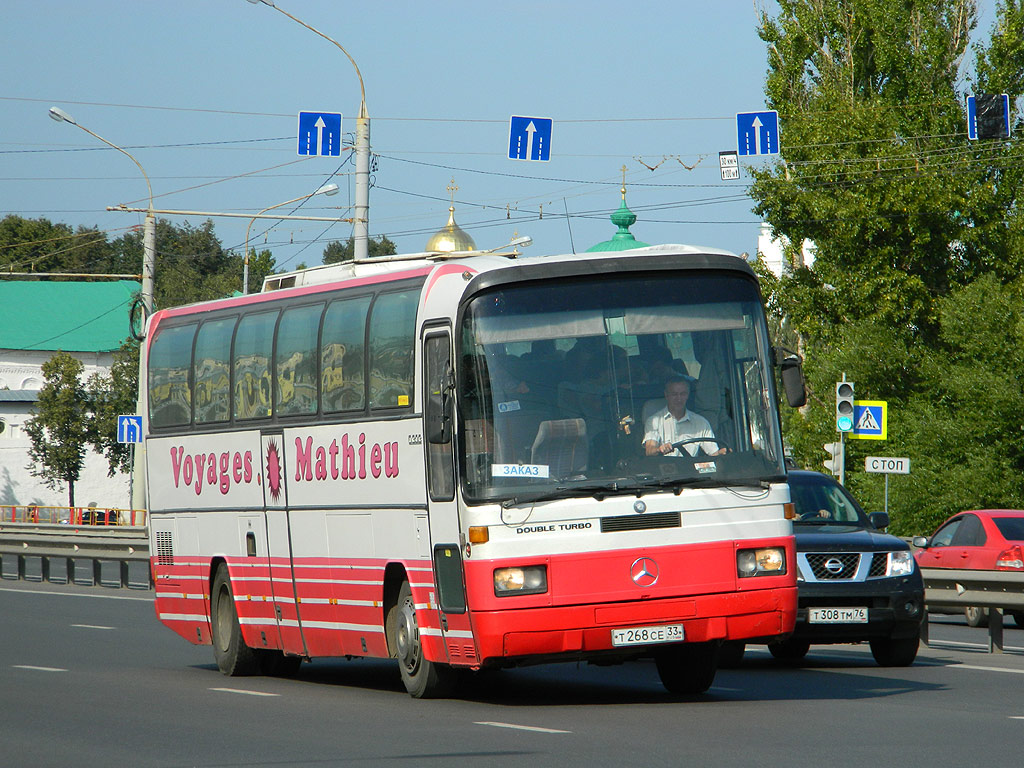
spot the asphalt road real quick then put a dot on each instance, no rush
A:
(88, 677)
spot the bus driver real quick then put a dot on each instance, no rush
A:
(674, 423)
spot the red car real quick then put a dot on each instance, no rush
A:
(981, 539)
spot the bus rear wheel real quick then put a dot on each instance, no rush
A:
(688, 668)
(233, 656)
(423, 679)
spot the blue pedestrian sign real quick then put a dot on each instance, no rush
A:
(995, 114)
(870, 420)
(129, 429)
(529, 138)
(320, 133)
(757, 133)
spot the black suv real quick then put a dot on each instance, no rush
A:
(854, 582)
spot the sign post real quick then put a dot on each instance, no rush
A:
(888, 466)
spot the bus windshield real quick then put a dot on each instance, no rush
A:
(562, 387)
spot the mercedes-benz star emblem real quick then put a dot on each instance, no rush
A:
(644, 572)
(834, 565)
(639, 507)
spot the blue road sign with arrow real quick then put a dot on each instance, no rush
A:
(1001, 105)
(529, 138)
(757, 133)
(129, 429)
(320, 133)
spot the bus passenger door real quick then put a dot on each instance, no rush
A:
(282, 578)
(445, 529)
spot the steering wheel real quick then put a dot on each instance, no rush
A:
(821, 514)
(678, 445)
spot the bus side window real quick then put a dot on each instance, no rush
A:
(213, 370)
(296, 360)
(254, 339)
(170, 367)
(341, 355)
(439, 389)
(392, 336)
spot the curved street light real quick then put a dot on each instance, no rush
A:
(361, 226)
(149, 230)
(327, 189)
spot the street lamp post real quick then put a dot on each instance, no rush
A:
(361, 227)
(328, 189)
(149, 229)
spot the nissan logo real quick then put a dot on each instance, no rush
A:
(644, 572)
(834, 565)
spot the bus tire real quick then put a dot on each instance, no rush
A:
(688, 668)
(234, 657)
(422, 679)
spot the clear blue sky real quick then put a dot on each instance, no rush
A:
(205, 93)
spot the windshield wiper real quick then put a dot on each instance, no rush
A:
(599, 490)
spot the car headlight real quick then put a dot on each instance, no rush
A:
(901, 563)
(527, 580)
(765, 561)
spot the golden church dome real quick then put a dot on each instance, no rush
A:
(452, 237)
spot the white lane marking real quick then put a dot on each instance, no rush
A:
(38, 669)
(245, 693)
(90, 626)
(522, 727)
(979, 646)
(75, 594)
(987, 669)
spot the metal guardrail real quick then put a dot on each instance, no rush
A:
(33, 513)
(109, 556)
(950, 589)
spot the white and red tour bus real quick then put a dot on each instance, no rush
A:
(439, 458)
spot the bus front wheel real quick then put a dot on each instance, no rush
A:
(688, 668)
(423, 679)
(233, 656)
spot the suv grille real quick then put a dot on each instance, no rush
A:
(879, 564)
(843, 565)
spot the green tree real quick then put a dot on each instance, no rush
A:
(911, 223)
(337, 251)
(59, 428)
(191, 263)
(39, 245)
(110, 395)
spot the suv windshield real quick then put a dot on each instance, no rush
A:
(820, 500)
(560, 383)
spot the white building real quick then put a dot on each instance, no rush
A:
(88, 320)
(772, 251)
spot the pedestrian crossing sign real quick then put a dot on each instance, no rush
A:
(869, 420)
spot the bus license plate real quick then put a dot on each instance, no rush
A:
(670, 633)
(837, 616)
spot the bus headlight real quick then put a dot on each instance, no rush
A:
(528, 580)
(766, 561)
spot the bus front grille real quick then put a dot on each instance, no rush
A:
(641, 522)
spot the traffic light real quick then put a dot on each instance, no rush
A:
(834, 463)
(844, 406)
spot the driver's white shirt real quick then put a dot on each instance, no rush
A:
(666, 428)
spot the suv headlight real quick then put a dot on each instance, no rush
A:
(765, 561)
(527, 580)
(901, 563)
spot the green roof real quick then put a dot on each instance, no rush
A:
(72, 316)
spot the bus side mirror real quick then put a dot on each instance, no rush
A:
(437, 420)
(793, 381)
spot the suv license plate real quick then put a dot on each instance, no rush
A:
(837, 616)
(670, 633)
